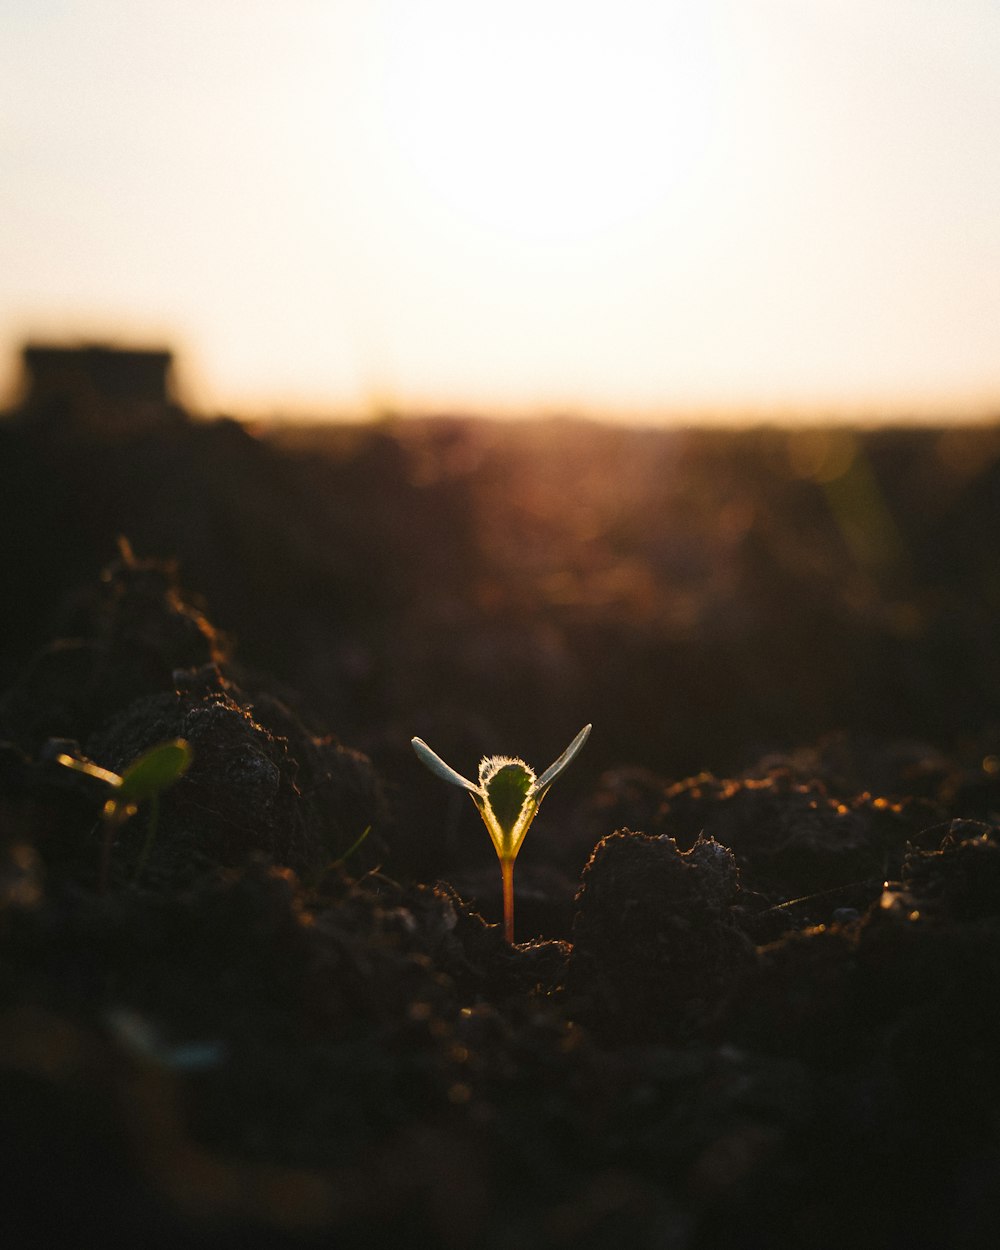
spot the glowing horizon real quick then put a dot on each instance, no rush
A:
(639, 209)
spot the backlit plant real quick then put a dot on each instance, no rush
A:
(507, 797)
(144, 779)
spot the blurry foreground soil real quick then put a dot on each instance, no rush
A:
(754, 997)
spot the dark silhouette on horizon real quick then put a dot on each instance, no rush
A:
(98, 388)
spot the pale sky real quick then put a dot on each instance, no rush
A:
(617, 207)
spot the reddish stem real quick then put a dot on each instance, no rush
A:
(507, 872)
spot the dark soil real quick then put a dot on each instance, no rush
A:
(753, 1007)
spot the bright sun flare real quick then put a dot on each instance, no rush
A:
(538, 127)
(635, 206)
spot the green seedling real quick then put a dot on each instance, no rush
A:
(143, 780)
(356, 845)
(507, 797)
(315, 878)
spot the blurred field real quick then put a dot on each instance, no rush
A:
(703, 596)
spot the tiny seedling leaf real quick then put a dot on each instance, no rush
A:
(506, 791)
(355, 846)
(564, 760)
(153, 772)
(437, 765)
(90, 770)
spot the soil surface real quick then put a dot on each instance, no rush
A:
(748, 1007)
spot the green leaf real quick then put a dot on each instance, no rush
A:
(506, 791)
(355, 845)
(153, 772)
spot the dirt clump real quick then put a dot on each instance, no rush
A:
(655, 949)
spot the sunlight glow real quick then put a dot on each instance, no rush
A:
(579, 128)
(763, 208)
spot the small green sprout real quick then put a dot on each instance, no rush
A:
(355, 846)
(146, 778)
(508, 796)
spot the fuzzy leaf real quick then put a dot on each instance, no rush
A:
(506, 791)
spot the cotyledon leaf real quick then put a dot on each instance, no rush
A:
(155, 771)
(564, 760)
(437, 765)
